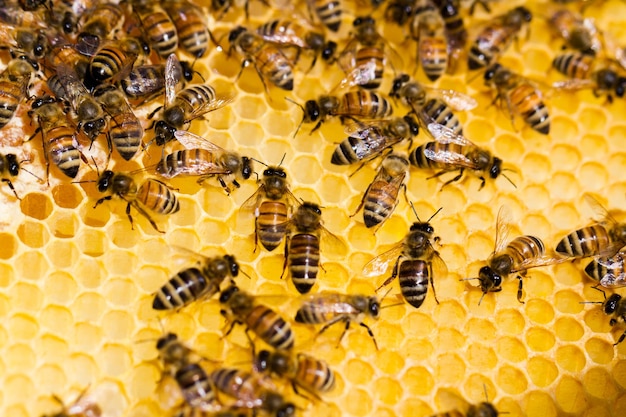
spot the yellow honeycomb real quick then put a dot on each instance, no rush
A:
(76, 283)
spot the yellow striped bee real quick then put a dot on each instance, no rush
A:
(614, 306)
(14, 81)
(609, 271)
(157, 27)
(190, 22)
(329, 12)
(428, 29)
(579, 33)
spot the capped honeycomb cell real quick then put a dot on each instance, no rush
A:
(36, 205)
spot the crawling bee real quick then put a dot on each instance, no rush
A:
(14, 81)
(579, 33)
(204, 159)
(190, 22)
(614, 306)
(81, 407)
(113, 58)
(25, 39)
(608, 271)
(428, 29)
(157, 27)
(329, 12)
(10, 168)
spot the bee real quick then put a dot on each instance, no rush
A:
(614, 306)
(302, 250)
(14, 81)
(329, 12)
(351, 105)
(450, 152)
(579, 33)
(432, 105)
(603, 238)
(157, 27)
(181, 107)
(173, 353)
(125, 129)
(114, 57)
(329, 308)
(150, 195)
(288, 33)
(90, 115)
(189, 20)
(272, 203)
(400, 11)
(580, 67)
(57, 135)
(146, 82)
(456, 33)
(516, 256)
(24, 39)
(250, 391)
(608, 271)
(416, 263)
(520, 96)
(9, 167)
(303, 371)
(240, 307)
(381, 196)
(428, 29)
(81, 407)
(66, 54)
(496, 37)
(101, 20)
(270, 63)
(204, 159)
(367, 141)
(195, 283)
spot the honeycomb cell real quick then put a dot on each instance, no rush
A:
(216, 232)
(32, 234)
(388, 390)
(62, 253)
(564, 186)
(120, 262)
(511, 380)
(614, 166)
(599, 383)
(480, 131)
(593, 176)
(8, 246)
(568, 329)
(511, 349)
(49, 378)
(18, 390)
(358, 372)
(26, 297)
(537, 167)
(88, 272)
(97, 216)
(217, 204)
(121, 235)
(538, 403)
(20, 358)
(414, 406)
(592, 119)
(249, 134)
(36, 205)
(120, 292)
(542, 371)
(539, 311)
(31, 265)
(570, 395)
(510, 321)
(63, 224)
(334, 189)
(539, 339)
(188, 214)
(509, 148)
(6, 274)
(87, 336)
(570, 358)
(82, 369)
(88, 306)
(114, 359)
(51, 348)
(450, 368)
(481, 356)
(67, 196)
(92, 242)
(142, 384)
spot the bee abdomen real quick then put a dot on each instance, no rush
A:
(584, 242)
(379, 204)
(182, 289)
(195, 386)
(126, 134)
(525, 247)
(441, 113)
(161, 33)
(366, 104)
(413, 278)
(433, 56)
(304, 257)
(315, 375)
(10, 97)
(192, 33)
(329, 12)
(371, 54)
(62, 151)
(526, 100)
(574, 65)
(272, 224)
(106, 63)
(157, 197)
(276, 67)
(270, 327)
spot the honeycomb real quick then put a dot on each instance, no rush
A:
(76, 283)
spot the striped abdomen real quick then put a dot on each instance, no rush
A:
(160, 32)
(374, 56)
(126, 133)
(525, 247)
(186, 162)
(366, 104)
(236, 383)
(455, 28)
(304, 258)
(59, 142)
(417, 157)
(320, 309)
(574, 64)
(11, 94)
(438, 111)
(195, 385)
(525, 99)
(144, 81)
(108, 62)
(194, 97)
(273, 65)
(380, 200)
(157, 197)
(314, 375)
(183, 288)
(609, 272)
(328, 11)
(193, 34)
(413, 276)
(270, 327)
(433, 53)
(588, 241)
(488, 45)
(271, 223)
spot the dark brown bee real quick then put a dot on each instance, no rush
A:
(196, 283)
(400, 11)
(580, 67)
(329, 12)
(125, 130)
(150, 195)
(603, 238)
(240, 307)
(352, 105)
(330, 308)
(516, 256)
(146, 82)
(57, 135)
(204, 159)
(496, 37)
(190, 23)
(519, 96)
(157, 27)
(579, 33)
(369, 140)
(450, 152)
(250, 391)
(303, 371)
(113, 58)
(432, 105)
(608, 271)
(24, 39)
(272, 205)
(416, 263)
(101, 20)
(456, 33)
(614, 306)
(427, 28)
(381, 197)
(14, 81)
(269, 62)
(81, 407)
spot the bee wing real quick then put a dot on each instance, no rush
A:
(199, 167)
(613, 51)
(613, 264)
(450, 158)
(327, 303)
(358, 75)
(503, 227)
(219, 102)
(602, 214)
(537, 262)
(192, 141)
(456, 100)
(443, 134)
(589, 24)
(253, 201)
(74, 87)
(7, 35)
(379, 265)
(332, 244)
(439, 267)
(173, 75)
(574, 84)
(184, 257)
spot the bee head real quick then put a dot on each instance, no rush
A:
(328, 51)
(610, 305)
(496, 168)
(233, 265)
(163, 132)
(491, 72)
(246, 167)
(311, 111)
(104, 182)
(424, 227)
(397, 84)
(13, 164)
(227, 293)
(489, 279)
(374, 307)
(235, 33)
(165, 340)
(414, 127)
(620, 87)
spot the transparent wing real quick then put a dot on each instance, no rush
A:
(380, 264)
(601, 213)
(445, 135)
(192, 141)
(503, 226)
(456, 100)
(173, 76)
(219, 102)
(358, 75)
(198, 168)
(74, 87)
(439, 267)
(539, 261)
(574, 84)
(615, 275)
(331, 245)
(329, 303)
(454, 159)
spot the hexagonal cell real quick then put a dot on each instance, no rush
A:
(20, 358)
(26, 296)
(8, 246)
(31, 265)
(121, 262)
(120, 292)
(570, 395)
(57, 319)
(95, 216)
(542, 371)
(36, 205)
(67, 196)
(571, 358)
(88, 306)
(32, 234)
(250, 107)
(62, 253)
(511, 349)
(63, 224)
(92, 242)
(600, 351)
(7, 275)
(539, 340)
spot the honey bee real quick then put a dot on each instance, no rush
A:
(88, 111)
(150, 195)
(329, 12)
(57, 135)
(114, 57)
(614, 306)
(456, 33)
(416, 263)
(240, 307)
(329, 308)
(289, 33)
(579, 33)
(351, 105)
(173, 353)
(427, 28)
(272, 204)
(81, 407)
(250, 391)
(302, 250)
(580, 67)
(14, 81)
(303, 371)
(368, 140)
(381, 197)
(189, 20)
(204, 159)
(516, 256)
(125, 129)
(608, 271)
(67, 54)
(496, 37)
(101, 20)
(157, 26)
(146, 82)
(450, 152)
(432, 105)
(270, 63)
(24, 39)
(181, 107)
(603, 238)
(9, 167)
(195, 283)
(520, 96)
(400, 11)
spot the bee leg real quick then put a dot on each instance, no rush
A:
(519, 289)
(8, 181)
(286, 256)
(482, 183)
(151, 115)
(223, 184)
(102, 200)
(345, 330)
(251, 343)
(482, 3)
(144, 214)
(294, 385)
(455, 179)
(369, 331)
(393, 276)
(432, 283)
(362, 201)
(621, 339)
(130, 217)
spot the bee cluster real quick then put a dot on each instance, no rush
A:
(113, 94)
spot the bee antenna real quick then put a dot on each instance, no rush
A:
(262, 163)
(303, 114)
(282, 159)
(434, 214)
(414, 211)
(31, 173)
(591, 302)
(401, 303)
